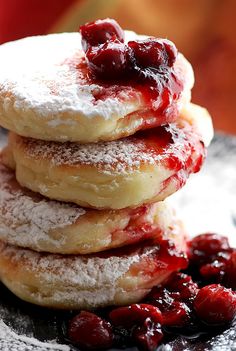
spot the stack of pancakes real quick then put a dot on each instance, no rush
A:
(83, 221)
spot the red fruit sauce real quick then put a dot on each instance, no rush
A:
(164, 143)
(135, 314)
(100, 31)
(145, 65)
(180, 303)
(107, 60)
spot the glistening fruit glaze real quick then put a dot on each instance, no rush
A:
(147, 65)
(180, 304)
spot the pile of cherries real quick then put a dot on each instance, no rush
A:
(201, 297)
(149, 61)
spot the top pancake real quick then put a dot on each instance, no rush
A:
(46, 93)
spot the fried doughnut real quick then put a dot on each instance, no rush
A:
(118, 277)
(143, 168)
(31, 221)
(46, 93)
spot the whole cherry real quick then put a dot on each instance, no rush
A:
(100, 31)
(89, 331)
(109, 60)
(135, 314)
(215, 305)
(153, 53)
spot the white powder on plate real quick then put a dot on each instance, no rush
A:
(11, 341)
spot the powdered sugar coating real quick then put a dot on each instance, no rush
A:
(81, 280)
(10, 341)
(83, 271)
(30, 215)
(120, 156)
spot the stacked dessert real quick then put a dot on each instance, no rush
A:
(102, 131)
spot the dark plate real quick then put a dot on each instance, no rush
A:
(207, 203)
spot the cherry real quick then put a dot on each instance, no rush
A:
(216, 305)
(204, 246)
(135, 314)
(148, 336)
(100, 31)
(90, 331)
(153, 53)
(108, 60)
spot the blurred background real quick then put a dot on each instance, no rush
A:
(202, 29)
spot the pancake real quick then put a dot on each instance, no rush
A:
(46, 93)
(31, 221)
(120, 277)
(143, 168)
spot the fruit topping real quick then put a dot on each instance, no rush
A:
(99, 32)
(89, 331)
(175, 299)
(146, 64)
(153, 53)
(108, 59)
(148, 336)
(178, 303)
(135, 314)
(211, 257)
(204, 246)
(214, 304)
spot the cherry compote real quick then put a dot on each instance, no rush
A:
(145, 64)
(99, 32)
(175, 299)
(108, 59)
(210, 257)
(153, 53)
(148, 336)
(179, 304)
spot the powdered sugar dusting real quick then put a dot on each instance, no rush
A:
(120, 156)
(29, 215)
(47, 82)
(9, 340)
(116, 156)
(82, 279)
(90, 271)
(50, 85)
